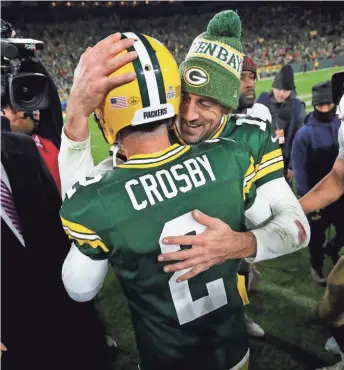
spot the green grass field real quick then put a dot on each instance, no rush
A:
(283, 304)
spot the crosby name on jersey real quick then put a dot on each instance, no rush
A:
(167, 183)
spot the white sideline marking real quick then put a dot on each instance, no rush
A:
(298, 299)
(337, 69)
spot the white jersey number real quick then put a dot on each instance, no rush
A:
(187, 309)
(85, 181)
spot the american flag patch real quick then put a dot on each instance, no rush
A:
(119, 102)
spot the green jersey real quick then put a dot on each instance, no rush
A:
(123, 216)
(256, 135)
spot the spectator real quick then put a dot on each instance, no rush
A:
(287, 111)
(315, 150)
(327, 191)
(269, 37)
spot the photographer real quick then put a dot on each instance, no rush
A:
(42, 328)
(28, 123)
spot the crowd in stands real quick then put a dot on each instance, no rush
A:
(269, 36)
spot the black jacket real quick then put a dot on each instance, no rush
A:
(288, 116)
(41, 326)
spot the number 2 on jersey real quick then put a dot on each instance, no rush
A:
(187, 309)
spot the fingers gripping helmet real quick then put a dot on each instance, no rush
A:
(154, 95)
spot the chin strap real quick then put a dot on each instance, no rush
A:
(115, 148)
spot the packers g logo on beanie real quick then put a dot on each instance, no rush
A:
(196, 76)
(214, 62)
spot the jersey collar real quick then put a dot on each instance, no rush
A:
(155, 159)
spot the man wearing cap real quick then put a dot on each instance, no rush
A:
(330, 188)
(288, 113)
(211, 90)
(247, 98)
(327, 191)
(314, 152)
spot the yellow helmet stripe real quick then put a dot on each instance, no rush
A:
(156, 67)
(146, 72)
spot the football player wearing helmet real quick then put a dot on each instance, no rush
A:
(289, 230)
(124, 215)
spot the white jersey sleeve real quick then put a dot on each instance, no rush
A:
(341, 140)
(76, 162)
(277, 221)
(82, 276)
(261, 111)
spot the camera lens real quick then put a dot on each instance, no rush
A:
(25, 92)
(28, 91)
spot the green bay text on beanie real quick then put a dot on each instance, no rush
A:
(214, 62)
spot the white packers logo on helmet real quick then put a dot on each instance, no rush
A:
(154, 95)
(196, 76)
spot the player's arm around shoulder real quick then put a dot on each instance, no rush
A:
(279, 223)
(275, 218)
(86, 264)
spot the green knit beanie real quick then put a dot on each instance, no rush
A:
(213, 64)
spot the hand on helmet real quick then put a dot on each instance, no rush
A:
(91, 81)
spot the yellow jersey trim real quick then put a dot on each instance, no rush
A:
(158, 161)
(76, 227)
(271, 162)
(269, 169)
(250, 178)
(223, 124)
(83, 235)
(154, 155)
(275, 153)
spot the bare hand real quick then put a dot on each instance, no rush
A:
(3, 347)
(290, 175)
(215, 245)
(91, 81)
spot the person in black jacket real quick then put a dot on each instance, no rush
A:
(287, 111)
(314, 152)
(41, 327)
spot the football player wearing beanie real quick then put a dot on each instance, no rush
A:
(211, 85)
(211, 89)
